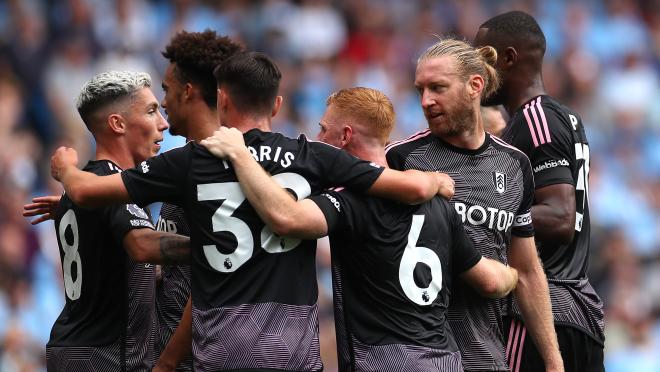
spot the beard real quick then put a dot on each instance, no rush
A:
(459, 119)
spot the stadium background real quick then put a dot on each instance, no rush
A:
(603, 60)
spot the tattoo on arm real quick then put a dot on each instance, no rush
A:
(174, 249)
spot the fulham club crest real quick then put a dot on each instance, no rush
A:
(499, 179)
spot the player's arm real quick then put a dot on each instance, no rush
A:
(491, 278)
(43, 206)
(412, 186)
(553, 213)
(534, 300)
(276, 207)
(84, 188)
(157, 247)
(180, 344)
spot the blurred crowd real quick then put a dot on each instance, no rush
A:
(603, 60)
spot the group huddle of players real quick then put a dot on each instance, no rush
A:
(447, 247)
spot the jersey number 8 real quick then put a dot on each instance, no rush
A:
(222, 220)
(71, 255)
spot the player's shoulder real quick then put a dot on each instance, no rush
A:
(502, 146)
(409, 144)
(543, 117)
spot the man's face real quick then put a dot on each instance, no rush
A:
(483, 38)
(144, 125)
(330, 128)
(172, 104)
(444, 97)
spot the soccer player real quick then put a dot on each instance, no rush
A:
(553, 138)
(190, 104)
(393, 264)
(107, 321)
(190, 95)
(253, 293)
(494, 195)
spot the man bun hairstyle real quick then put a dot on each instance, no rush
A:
(469, 61)
(489, 56)
(107, 88)
(252, 80)
(195, 55)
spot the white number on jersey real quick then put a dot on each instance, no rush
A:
(411, 256)
(73, 287)
(222, 220)
(581, 152)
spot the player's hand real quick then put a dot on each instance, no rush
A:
(62, 158)
(445, 185)
(43, 206)
(225, 142)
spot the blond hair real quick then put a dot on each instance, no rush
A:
(469, 60)
(367, 106)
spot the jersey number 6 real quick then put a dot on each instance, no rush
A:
(411, 256)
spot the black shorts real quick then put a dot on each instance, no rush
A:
(580, 352)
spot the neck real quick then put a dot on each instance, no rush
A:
(245, 123)
(374, 153)
(522, 92)
(115, 152)
(203, 121)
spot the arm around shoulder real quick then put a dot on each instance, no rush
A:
(412, 186)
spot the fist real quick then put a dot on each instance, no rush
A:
(62, 158)
(445, 185)
(224, 142)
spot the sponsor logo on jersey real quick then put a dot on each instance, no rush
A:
(477, 215)
(334, 202)
(499, 180)
(549, 164)
(136, 211)
(145, 166)
(141, 223)
(166, 225)
(522, 219)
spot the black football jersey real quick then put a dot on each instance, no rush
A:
(553, 137)
(254, 293)
(493, 196)
(393, 268)
(107, 321)
(173, 286)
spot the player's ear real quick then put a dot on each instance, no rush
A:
(116, 123)
(346, 135)
(475, 85)
(187, 91)
(509, 58)
(277, 106)
(223, 101)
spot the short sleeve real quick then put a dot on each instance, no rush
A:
(549, 149)
(339, 210)
(344, 169)
(126, 217)
(464, 253)
(522, 221)
(160, 178)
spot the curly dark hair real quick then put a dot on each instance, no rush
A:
(196, 54)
